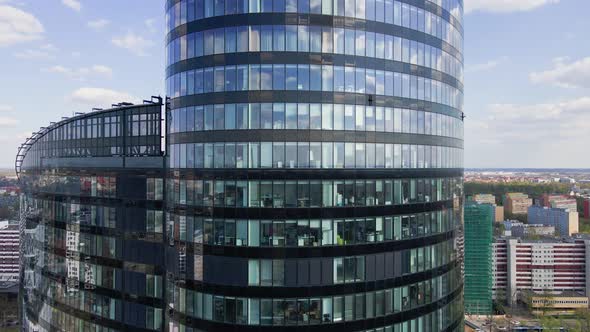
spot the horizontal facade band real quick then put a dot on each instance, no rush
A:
(313, 213)
(293, 135)
(100, 162)
(336, 327)
(324, 251)
(274, 57)
(312, 174)
(112, 293)
(309, 17)
(82, 315)
(288, 96)
(315, 291)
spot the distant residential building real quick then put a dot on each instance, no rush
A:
(517, 203)
(545, 198)
(540, 265)
(490, 199)
(484, 199)
(498, 213)
(12, 191)
(478, 257)
(567, 180)
(559, 201)
(564, 220)
(566, 203)
(9, 251)
(586, 206)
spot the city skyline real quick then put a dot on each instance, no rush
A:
(522, 69)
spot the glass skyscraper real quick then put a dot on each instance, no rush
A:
(315, 155)
(310, 179)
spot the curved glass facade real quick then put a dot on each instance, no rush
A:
(92, 235)
(312, 179)
(315, 163)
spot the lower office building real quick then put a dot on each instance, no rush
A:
(557, 303)
(518, 229)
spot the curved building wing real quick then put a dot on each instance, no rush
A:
(92, 256)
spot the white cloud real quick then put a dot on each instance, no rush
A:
(15, 2)
(505, 6)
(150, 23)
(98, 24)
(133, 43)
(17, 26)
(565, 73)
(102, 70)
(33, 54)
(73, 4)
(100, 97)
(486, 66)
(49, 47)
(46, 51)
(6, 121)
(520, 135)
(83, 73)
(24, 135)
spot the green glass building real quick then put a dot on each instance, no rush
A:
(479, 219)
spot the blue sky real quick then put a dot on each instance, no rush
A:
(527, 76)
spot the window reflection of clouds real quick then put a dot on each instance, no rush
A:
(305, 77)
(314, 116)
(313, 39)
(310, 155)
(388, 11)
